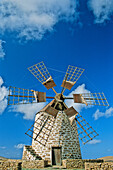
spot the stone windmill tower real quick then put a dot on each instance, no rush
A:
(56, 131)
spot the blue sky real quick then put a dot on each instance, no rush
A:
(60, 33)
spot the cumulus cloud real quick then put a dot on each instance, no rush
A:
(31, 19)
(77, 106)
(3, 96)
(107, 113)
(19, 146)
(102, 9)
(2, 53)
(94, 141)
(29, 110)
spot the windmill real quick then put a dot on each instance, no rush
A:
(56, 125)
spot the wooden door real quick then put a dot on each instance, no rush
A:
(56, 155)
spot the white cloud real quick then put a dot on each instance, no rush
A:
(109, 150)
(77, 106)
(3, 96)
(102, 9)
(2, 147)
(2, 53)
(19, 146)
(94, 141)
(107, 113)
(31, 19)
(29, 110)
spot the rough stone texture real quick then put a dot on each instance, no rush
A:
(34, 164)
(10, 164)
(99, 166)
(63, 135)
(88, 164)
(29, 153)
(78, 163)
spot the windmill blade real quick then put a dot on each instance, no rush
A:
(50, 110)
(85, 131)
(74, 74)
(91, 99)
(71, 112)
(41, 73)
(24, 96)
(41, 128)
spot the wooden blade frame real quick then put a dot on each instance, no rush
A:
(41, 73)
(24, 96)
(41, 128)
(40, 96)
(91, 99)
(85, 131)
(78, 98)
(50, 110)
(71, 112)
(74, 74)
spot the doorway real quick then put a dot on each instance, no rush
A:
(56, 156)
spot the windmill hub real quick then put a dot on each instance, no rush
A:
(59, 102)
(59, 97)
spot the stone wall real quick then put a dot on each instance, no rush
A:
(62, 135)
(30, 154)
(99, 166)
(87, 164)
(27, 155)
(10, 164)
(34, 164)
(78, 163)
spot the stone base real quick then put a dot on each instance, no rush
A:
(78, 163)
(10, 164)
(19, 164)
(34, 164)
(86, 164)
(101, 166)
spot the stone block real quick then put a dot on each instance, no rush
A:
(98, 166)
(34, 164)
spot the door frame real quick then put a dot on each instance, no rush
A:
(60, 147)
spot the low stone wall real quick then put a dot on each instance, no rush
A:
(34, 164)
(87, 164)
(101, 166)
(78, 163)
(10, 164)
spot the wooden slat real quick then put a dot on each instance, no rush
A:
(85, 131)
(74, 74)
(41, 73)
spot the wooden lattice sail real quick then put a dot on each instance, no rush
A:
(91, 99)
(25, 96)
(74, 74)
(85, 131)
(41, 73)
